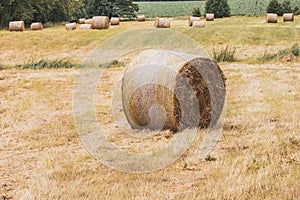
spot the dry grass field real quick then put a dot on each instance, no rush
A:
(257, 155)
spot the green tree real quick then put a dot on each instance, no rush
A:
(124, 8)
(41, 11)
(65, 10)
(111, 8)
(62, 10)
(286, 7)
(219, 7)
(15, 10)
(196, 11)
(275, 7)
(296, 10)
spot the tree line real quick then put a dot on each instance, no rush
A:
(62, 10)
(71, 10)
(279, 9)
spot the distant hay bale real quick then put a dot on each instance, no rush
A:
(114, 21)
(71, 26)
(141, 18)
(85, 26)
(88, 21)
(198, 24)
(179, 88)
(16, 26)
(288, 17)
(210, 17)
(100, 22)
(36, 26)
(162, 23)
(81, 21)
(192, 19)
(271, 18)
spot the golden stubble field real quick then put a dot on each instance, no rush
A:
(41, 156)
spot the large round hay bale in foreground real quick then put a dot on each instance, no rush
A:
(271, 18)
(172, 90)
(114, 21)
(85, 26)
(88, 21)
(100, 22)
(81, 21)
(71, 26)
(162, 23)
(141, 18)
(288, 17)
(16, 26)
(210, 16)
(36, 26)
(198, 24)
(192, 19)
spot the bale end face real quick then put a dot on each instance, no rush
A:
(207, 81)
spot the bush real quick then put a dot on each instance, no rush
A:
(294, 50)
(45, 64)
(286, 6)
(224, 55)
(275, 7)
(219, 7)
(112, 8)
(296, 10)
(196, 11)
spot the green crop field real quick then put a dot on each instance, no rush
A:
(253, 7)
(184, 8)
(168, 9)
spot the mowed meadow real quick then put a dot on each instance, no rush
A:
(256, 157)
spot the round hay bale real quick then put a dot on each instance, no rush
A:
(162, 23)
(88, 21)
(271, 18)
(288, 17)
(198, 24)
(210, 17)
(100, 22)
(71, 26)
(141, 18)
(16, 26)
(85, 26)
(185, 91)
(81, 21)
(192, 19)
(114, 21)
(36, 26)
